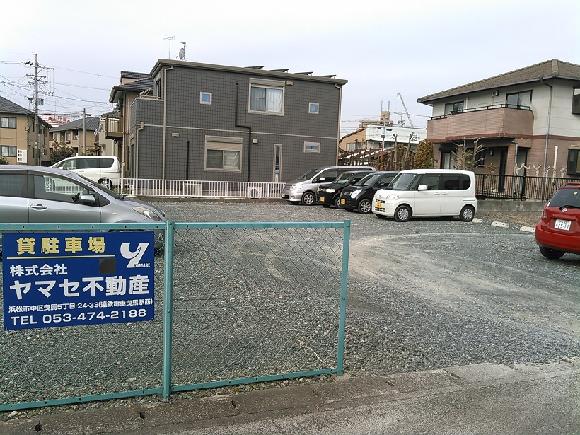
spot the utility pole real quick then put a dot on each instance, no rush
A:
(383, 119)
(84, 142)
(36, 149)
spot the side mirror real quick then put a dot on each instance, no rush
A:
(422, 187)
(88, 200)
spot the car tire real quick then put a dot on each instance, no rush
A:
(365, 206)
(551, 254)
(402, 213)
(308, 198)
(336, 202)
(467, 213)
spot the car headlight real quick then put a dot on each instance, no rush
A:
(147, 213)
(355, 193)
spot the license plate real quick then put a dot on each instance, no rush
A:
(342, 201)
(321, 199)
(562, 224)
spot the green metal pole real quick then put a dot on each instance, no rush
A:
(168, 309)
(343, 298)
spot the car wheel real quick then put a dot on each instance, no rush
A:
(402, 213)
(551, 254)
(365, 206)
(467, 213)
(308, 198)
(336, 202)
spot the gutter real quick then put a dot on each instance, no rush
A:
(244, 126)
(164, 141)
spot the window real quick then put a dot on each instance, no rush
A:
(431, 180)
(8, 122)
(106, 163)
(451, 108)
(455, 182)
(59, 189)
(205, 98)
(576, 101)
(311, 147)
(8, 151)
(313, 108)
(267, 98)
(574, 162)
(12, 184)
(223, 153)
(328, 175)
(518, 99)
(75, 134)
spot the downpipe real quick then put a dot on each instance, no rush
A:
(237, 124)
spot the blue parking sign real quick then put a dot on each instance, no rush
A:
(66, 279)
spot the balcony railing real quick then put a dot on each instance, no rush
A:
(113, 127)
(500, 120)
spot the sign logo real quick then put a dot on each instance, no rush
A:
(134, 257)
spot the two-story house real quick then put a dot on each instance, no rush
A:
(71, 135)
(216, 122)
(527, 119)
(376, 136)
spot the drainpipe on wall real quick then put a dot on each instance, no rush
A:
(338, 126)
(547, 130)
(244, 126)
(164, 141)
(136, 163)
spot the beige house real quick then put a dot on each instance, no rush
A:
(526, 120)
(71, 135)
(117, 124)
(19, 142)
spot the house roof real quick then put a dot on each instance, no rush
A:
(137, 86)
(91, 123)
(7, 106)
(247, 70)
(550, 69)
(133, 75)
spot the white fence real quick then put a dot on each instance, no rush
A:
(200, 188)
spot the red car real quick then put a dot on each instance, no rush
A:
(558, 231)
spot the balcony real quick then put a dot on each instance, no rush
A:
(113, 127)
(497, 121)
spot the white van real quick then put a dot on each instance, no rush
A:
(104, 170)
(428, 192)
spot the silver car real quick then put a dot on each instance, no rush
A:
(34, 194)
(304, 190)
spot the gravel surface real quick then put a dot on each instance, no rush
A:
(521, 218)
(423, 295)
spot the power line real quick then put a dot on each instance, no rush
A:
(83, 72)
(82, 86)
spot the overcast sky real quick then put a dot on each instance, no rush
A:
(381, 48)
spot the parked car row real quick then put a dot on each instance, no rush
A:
(399, 195)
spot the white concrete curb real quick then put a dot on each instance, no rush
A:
(499, 224)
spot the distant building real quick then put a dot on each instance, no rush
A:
(370, 137)
(71, 135)
(19, 142)
(55, 119)
(526, 120)
(217, 122)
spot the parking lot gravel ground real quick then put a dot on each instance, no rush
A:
(423, 295)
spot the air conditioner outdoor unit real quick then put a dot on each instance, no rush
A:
(254, 192)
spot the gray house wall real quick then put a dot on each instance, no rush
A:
(188, 120)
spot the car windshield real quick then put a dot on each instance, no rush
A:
(566, 198)
(403, 181)
(102, 188)
(367, 180)
(308, 175)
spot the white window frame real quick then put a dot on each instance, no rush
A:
(201, 94)
(312, 104)
(222, 143)
(259, 83)
(8, 119)
(310, 143)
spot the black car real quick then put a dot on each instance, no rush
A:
(359, 196)
(328, 194)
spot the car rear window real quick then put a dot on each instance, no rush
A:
(566, 198)
(12, 184)
(106, 163)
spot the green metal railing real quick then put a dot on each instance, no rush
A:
(167, 387)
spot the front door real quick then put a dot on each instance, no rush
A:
(277, 164)
(502, 167)
(428, 202)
